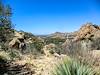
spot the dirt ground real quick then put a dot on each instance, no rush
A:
(41, 65)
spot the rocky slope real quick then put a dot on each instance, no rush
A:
(86, 38)
(88, 31)
(39, 66)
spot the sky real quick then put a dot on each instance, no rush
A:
(49, 16)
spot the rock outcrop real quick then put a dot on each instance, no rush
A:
(86, 38)
(49, 49)
(17, 40)
(88, 31)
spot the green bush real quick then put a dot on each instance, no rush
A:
(57, 41)
(6, 26)
(38, 45)
(14, 54)
(71, 67)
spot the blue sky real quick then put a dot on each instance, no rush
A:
(48, 16)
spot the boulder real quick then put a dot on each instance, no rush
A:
(17, 41)
(48, 49)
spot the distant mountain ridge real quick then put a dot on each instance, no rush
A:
(88, 30)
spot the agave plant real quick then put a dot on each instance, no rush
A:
(72, 67)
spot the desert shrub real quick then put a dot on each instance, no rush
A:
(38, 45)
(57, 49)
(4, 62)
(57, 41)
(14, 54)
(82, 51)
(96, 44)
(52, 48)
(72, 67)
(79, 47)
(91, 58)
(82, 46)
(71, 48)
(51, 52)
(31, 49)
(34, 48)
(10, 55)
(4, 46)
(5, 56)
(27, 35)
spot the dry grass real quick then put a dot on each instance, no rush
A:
(4, 55)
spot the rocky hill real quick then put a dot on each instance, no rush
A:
(86, 38)
(34, 55)
(61, 35)
(88, 31)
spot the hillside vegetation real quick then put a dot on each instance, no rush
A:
(23, 53)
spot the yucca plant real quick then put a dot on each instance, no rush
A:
(72, 67)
